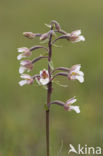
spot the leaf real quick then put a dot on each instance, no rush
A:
(51, 65)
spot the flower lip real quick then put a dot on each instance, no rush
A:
(44, 77)
(44, 74)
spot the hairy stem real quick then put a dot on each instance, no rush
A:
(49, 91)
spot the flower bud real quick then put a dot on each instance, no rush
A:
(57, 25)
(29, 35)
(44, 36)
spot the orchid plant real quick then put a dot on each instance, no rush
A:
(46, 76)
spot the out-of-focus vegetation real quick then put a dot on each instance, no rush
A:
(22, 115)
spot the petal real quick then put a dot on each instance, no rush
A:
(19, 57)
(23, 49)
(25, 76)
(76, 68)
(81, 38)
(23, 63)
(76, 33)
(80, 73)
(44, 81)
(71, 101)
(20, 50)
(80, 79)
(41, 72)
(22, 69)
(75, 108)
(22, 82)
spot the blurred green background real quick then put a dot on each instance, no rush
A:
(22, 115)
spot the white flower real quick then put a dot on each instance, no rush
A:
(44, 77)
(68, 106)
(25, 65)
(25, 52)
(76, 36)
(75, 73)
(27, 79)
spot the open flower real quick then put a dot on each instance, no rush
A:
(68, 105)
(25, 65)
(25, 52)
(27, 79)
(76, 36)
(75, 73)
(44, 77)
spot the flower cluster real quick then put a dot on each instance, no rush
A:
(47, 76)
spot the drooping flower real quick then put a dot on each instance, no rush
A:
(27, 79)
(68, 105)
(76, 36)
(75, 73)
(44, 77)
(25, 52)
(25, 65)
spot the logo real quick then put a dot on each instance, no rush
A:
(85, 150)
